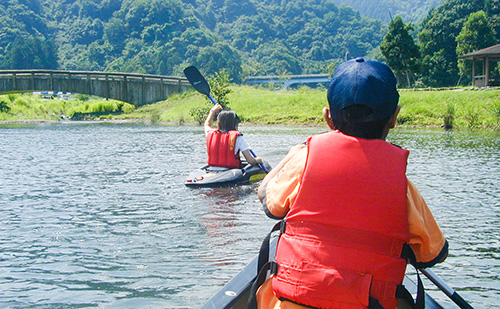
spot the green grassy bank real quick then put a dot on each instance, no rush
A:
(460, 108)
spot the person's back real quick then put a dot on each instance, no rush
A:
(345, 198)
(225, 142)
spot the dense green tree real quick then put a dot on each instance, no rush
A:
(30, 53)
(410, 10)
(492, 9)
(300, 36)
(218, 57)
(400, 50)
(477, 33)
(438, 38)
(25, 37)
(234, 9)
(437, 41)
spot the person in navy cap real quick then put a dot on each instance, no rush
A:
(352, 220)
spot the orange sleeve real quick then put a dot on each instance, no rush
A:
(281, 191)
(426, 239)
(267, 300)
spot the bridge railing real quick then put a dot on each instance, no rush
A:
(288, 80)
(138, 89)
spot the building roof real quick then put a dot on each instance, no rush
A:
(492, 52)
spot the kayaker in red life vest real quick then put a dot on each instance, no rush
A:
(225, 142)
(348, 206)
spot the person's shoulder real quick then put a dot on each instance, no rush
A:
(209, 130)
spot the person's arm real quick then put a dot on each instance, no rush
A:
(209, 121)
(426, 239)
(293, 151)
(280, 190)
(243, 146)
(250, 158)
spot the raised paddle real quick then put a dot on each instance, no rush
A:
(446, 289)
(201, 85)
(198, 82)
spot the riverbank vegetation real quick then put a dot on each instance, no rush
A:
(462, 108)
(28, 107)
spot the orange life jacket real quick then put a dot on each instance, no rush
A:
(220, 148)
(345, 231)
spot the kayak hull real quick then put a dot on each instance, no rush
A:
(206, 177)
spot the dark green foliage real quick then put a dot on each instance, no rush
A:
(218, 57)
(438, 38)
(29, 53)
(300, 36)
(409, 10)
(219, 86)
(219, 89)
(449, 116)
(400, 50)
(477, 33)
(200, 113)
(164, 36)
(26, 42)
(4, 107)
(245, 37)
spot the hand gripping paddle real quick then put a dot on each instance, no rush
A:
(201, 85)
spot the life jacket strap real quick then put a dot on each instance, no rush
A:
(419, 302)
(264, 247)
(264, 265)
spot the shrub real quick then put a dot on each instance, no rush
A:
(4, 107)
(449, 116)
(199, 113)
(219, 86)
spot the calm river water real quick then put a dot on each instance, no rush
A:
(96, 215)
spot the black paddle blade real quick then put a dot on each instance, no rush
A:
(197, 80)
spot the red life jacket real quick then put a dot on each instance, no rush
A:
(220, 148)
(345, 231)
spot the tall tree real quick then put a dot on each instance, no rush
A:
(29, 52)
(437, 40)
(400, 50)
(477, 33)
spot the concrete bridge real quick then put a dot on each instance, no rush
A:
(137, 89)
(288, 80)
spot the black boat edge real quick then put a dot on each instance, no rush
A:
(236, 292)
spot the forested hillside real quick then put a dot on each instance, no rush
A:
(163, 36)
(409, 10)
(245, 37)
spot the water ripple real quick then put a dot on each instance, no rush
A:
(97, 215)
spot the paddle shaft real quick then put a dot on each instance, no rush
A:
(198, 81)
(446, 289)
(212, 99)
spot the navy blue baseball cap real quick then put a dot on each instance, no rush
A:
(364, 82)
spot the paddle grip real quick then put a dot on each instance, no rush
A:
(212, 99)
(260, 164)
